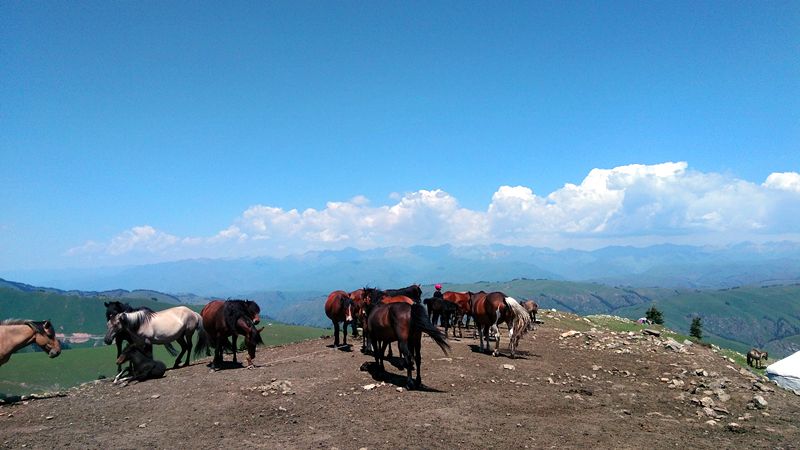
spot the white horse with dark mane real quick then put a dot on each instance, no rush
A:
(147, 327)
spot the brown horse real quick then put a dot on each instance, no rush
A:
(222, 319)
(403, 322)
(533, 308)
(15, 334)
(339, 308)
(494, 308)
(462, 299)
(374, 297)
(359, 316)
(756, 356)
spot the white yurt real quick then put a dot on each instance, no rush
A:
(786, 372)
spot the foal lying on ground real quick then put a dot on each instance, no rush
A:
(142, 367)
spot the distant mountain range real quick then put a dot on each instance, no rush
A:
(670, 266)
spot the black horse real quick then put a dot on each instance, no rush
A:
(441, 311)
(114, 308)
(142, 366)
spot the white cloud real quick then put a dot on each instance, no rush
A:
(639, 203)
(787, 181)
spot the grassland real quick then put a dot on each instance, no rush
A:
(29, 373)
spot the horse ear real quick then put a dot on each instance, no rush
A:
(106, 303)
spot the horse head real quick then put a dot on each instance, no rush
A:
(114, 326)
(46, 337)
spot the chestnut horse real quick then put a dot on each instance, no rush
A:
(359, 317)
(462, 299)
(339, 308)
(491, 309)
(232, 318)
(15, 334)
(402, 322)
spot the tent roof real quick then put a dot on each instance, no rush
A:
(787, 367)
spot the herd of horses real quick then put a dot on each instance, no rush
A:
(398, 315)
(385, 316)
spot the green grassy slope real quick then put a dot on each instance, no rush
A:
(68, 313)
(740, 318)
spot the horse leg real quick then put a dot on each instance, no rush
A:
(344, 334)
(182, 342)
(335, 334)
(417, 347)
(189, 336)
(118, 341)
(402, 347)
(234, 338)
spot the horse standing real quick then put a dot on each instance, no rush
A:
(493, 308)
(403, 322)
(146, 326)
(462, 299)
(16, 334)
(359, 317)
(756, 356)
(222, 319)
(533, 308)
(114, 308)
(374, 297)
(443, 312)
(339, 308)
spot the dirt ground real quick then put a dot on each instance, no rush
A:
(594, 389)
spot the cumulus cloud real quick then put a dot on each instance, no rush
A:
(641, 203)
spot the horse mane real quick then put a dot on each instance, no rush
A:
(37, 326)
(139, 317)
(239, 309)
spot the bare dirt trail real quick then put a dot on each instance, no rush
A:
(591, 389)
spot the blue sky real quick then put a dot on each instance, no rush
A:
(146, 131)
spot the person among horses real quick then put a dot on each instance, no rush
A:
(438, 292)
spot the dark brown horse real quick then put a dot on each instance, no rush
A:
(402, 322)
(230, 318)
(374, 297)
(494, 308)
(755, 356)
(462, 299)
(15, 334)
(339, 308)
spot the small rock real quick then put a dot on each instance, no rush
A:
(651, 332)
(570, 333)
(596, 367)
(49, 417)
(508, 367)
(735, 427)
(707, 402)
(701, 373)
(144, 425)
(369, 387)
(711, 422)
(155, 396)
(399, 389)
(759, 402)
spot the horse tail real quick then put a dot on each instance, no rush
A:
(521, 316)
(203, 340)
(421, 322)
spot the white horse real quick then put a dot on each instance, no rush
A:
(518, 325)
(147, 327)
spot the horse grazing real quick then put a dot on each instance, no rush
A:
(756, 356)
(16, 334)
(339, 308)
(146, 326)
(533, 308)
(496, 307)
(403, 322)
(141, 365)
(222, 319)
